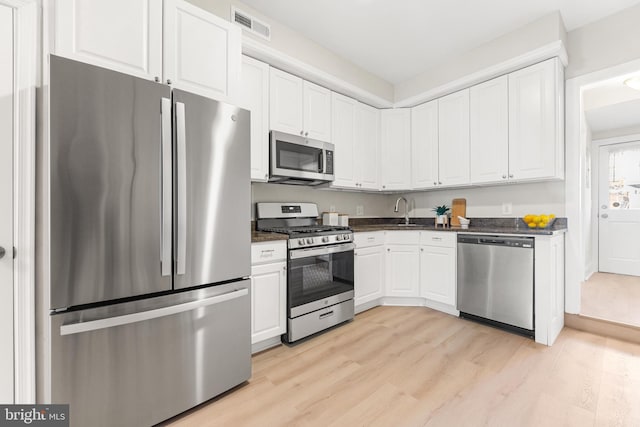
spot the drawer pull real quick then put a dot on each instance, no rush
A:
(327, 314)
(436, 238)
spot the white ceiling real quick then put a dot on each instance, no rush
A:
(397, 40)
(610, 105)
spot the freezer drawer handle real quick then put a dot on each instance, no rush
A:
(110, 322)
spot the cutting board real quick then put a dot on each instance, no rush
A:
(458, 207)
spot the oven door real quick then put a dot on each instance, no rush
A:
(319, 277)
(297, 157)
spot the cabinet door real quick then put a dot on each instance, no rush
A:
(254, 95)
(533, 121)
(202, 52)
(489, 131)
(343, 135)
(268, 301)
(285, 102)
(438, 274)
(424, 145)
(122, 35)
(453, 138)
(368, 274)
(367, 147)
(402, 270)
(316, 111)
(396, 149)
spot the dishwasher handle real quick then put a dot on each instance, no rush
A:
(508, 241)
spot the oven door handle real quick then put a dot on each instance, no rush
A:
(324, 250)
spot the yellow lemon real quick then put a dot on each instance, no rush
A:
(528, 218)
(532, 225)
(544, 218)
(542, 224)
(536, 218)
(552, 216)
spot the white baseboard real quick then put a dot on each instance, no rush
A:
(445, 308)
(266, 344)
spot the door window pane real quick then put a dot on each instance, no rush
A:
(624, 178)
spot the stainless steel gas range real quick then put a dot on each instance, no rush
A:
(319, 267)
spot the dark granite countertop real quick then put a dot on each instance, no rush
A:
(260, 236)
(478, 225)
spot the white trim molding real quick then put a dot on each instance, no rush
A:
(548, 51)
(26, 30)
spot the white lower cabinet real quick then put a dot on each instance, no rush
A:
(368, 268)
(438, 268)
(268, 294)
(402, 264)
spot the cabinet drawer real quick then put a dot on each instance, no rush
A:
(445, 239)
(365, 240)
(402, 237)
(268, 252)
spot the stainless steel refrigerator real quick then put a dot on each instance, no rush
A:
(149, 246)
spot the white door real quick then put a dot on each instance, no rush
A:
(438, 274)
(285, 102)
(619, 209)
(202, 52)
(123, 35)
(395, 129)
(402, 270)
(316, 111)
(489, 131)
(424, 145)
(343, 135)
(453, 138)
(268, 301)
(254, 95)
(367, 147)
(368, 274)
(6, 202)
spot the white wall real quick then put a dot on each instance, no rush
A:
(539, 33)
(375, 205)
(544, 197)
(294, 44)
(610, 41)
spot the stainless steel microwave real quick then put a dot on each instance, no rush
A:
(298, 160)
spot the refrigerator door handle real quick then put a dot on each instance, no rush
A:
(165, 256)
(110, 322)
(182, 189)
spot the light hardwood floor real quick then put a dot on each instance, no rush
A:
(613, 297)
(412, 366)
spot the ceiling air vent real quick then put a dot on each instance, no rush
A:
(250, 23)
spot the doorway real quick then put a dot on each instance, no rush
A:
(7, 131)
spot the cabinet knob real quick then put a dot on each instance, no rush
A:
(168, 81)
(388, 250)
(306, 134)
(384, 186)
(284, 268)
(301, 132)
(435, 183)
(266, 176)
(2, 252)
(421, 249)
(439, 183)
(504, 176)
(510, 175)
(157, 79)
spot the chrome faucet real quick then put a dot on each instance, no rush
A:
(406, 209)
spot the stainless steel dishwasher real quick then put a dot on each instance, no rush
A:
(496, 282)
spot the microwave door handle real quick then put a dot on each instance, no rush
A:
(322, 161)
(165, 250)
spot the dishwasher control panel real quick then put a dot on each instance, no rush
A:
(514, 242)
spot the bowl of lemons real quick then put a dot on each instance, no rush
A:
(539, 221)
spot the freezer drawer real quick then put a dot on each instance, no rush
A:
(495, 279)
(142, 362)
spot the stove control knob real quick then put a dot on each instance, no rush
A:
(338, 237)
(309, 241)
(301, 242)
(325, 239)
(345, 237)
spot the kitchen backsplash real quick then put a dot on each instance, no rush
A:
(544, 197)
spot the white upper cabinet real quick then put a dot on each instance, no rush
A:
(202, 52)
(194, 49)
(396, 149)
(285, 102)
(254, 95)
(343, 136)
(453, 139)
(424, 145)
(536, 122)
(122, 35)
(367, 147)
(489, 124)
(299, 107)
(316, 117)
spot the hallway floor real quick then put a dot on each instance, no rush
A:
(612, 297)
